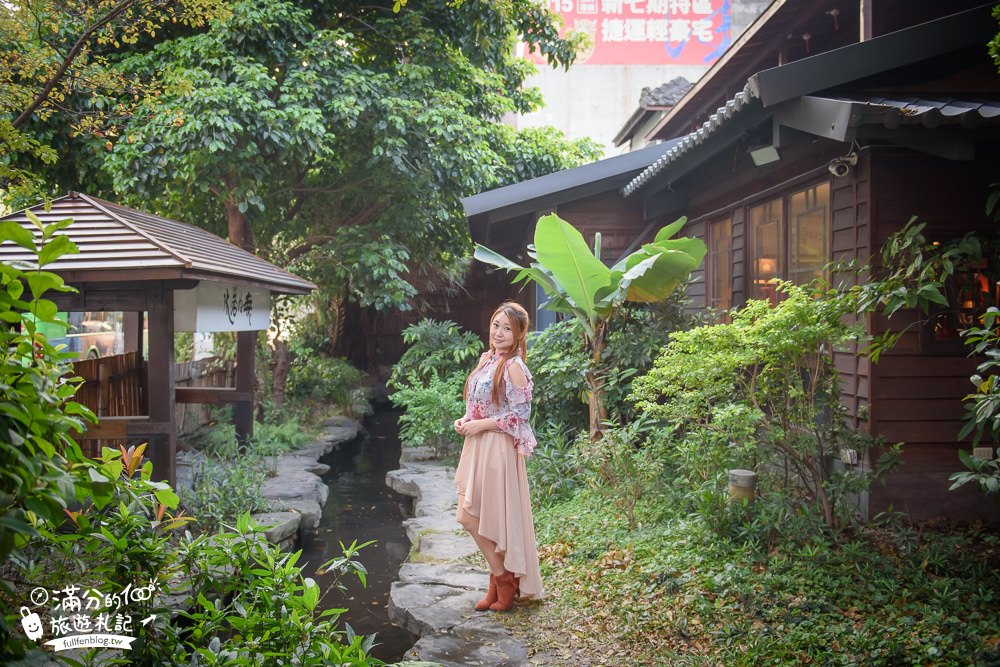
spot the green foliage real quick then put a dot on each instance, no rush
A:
(238, 599)
(578, 283)
(221, 491)
(262, 611)
(763, 393)
(560, 361)
(983, 471)
(674, 593)
(554, 468)
(428, 381)
(37, 413)
(319, 378)
(914, 274)
(624, 466)
(435, 348)
(431, 410)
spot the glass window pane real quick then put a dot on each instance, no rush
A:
(809, 233)
(767, 256)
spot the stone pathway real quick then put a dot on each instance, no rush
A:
(436, 590)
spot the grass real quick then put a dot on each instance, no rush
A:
(672, 592)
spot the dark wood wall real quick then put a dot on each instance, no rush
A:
(917, 388)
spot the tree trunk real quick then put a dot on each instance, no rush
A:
(595, 383)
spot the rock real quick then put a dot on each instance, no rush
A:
(340, 429)
(447, 546)
(456, 575)
(422, 453)
(363, 409)
(478, 641)
(430, 608)
(309, 510)
(281, 525)
(296, 485)
(442, 522)
(436, 599)
(297, 461)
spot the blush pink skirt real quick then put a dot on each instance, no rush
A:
(492, 484)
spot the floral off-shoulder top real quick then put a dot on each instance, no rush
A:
(512, 414)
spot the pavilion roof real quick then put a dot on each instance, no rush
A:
(118, 243)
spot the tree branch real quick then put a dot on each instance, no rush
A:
(50, 85)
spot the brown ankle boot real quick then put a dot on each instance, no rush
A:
(506, 588)
(491, 595)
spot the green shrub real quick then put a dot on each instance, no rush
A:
(230, 598)
(431, 411)
(624, 466)
(763, 393)
(554, 468)
(435, 348)
(318, 378)
(223, 490)
(559, 362)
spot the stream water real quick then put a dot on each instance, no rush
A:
(361, 507)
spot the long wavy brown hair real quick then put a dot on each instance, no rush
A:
(519, 323)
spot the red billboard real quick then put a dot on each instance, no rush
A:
(647, 32)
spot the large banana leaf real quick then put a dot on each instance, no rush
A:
(671, 229)
(669, 269)
(563, 252)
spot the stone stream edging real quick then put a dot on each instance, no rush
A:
(436, 590)
(295, 493)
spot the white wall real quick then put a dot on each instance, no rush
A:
(596, 100)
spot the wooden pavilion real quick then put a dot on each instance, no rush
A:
(181, 278)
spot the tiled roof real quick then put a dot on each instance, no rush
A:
(666, 95)
(120, 243)
(733, 107)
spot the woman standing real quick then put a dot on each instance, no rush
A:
(493, 500)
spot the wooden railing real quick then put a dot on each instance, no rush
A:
(113, 388)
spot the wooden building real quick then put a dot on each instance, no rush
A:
(824, 128)
(172, 277)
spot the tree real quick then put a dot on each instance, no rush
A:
(55, 64)
(340, 136)
(578, 283)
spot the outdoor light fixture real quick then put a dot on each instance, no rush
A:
(765, 154)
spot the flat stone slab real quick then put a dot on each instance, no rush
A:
(296, 485)
(442, 522)
(309, 511)
(456, 575)
(340, 429)
(477, 642)
(283, 525)
(424, 608)
(409, 454)
(447, 546)
(296, 462)
(435, 596)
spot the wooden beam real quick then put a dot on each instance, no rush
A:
(119, 428)
(212, 395)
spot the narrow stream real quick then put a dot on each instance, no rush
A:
(361, 507)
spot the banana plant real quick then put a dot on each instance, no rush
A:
(578, 283)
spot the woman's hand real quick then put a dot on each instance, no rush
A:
(475, 426)
(459, 422)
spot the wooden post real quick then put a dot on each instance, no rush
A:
(160, 385)
(246, 343)
(133, 332)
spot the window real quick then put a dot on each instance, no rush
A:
(789, 240)
(720, 264)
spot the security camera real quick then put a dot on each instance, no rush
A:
(841, 166)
